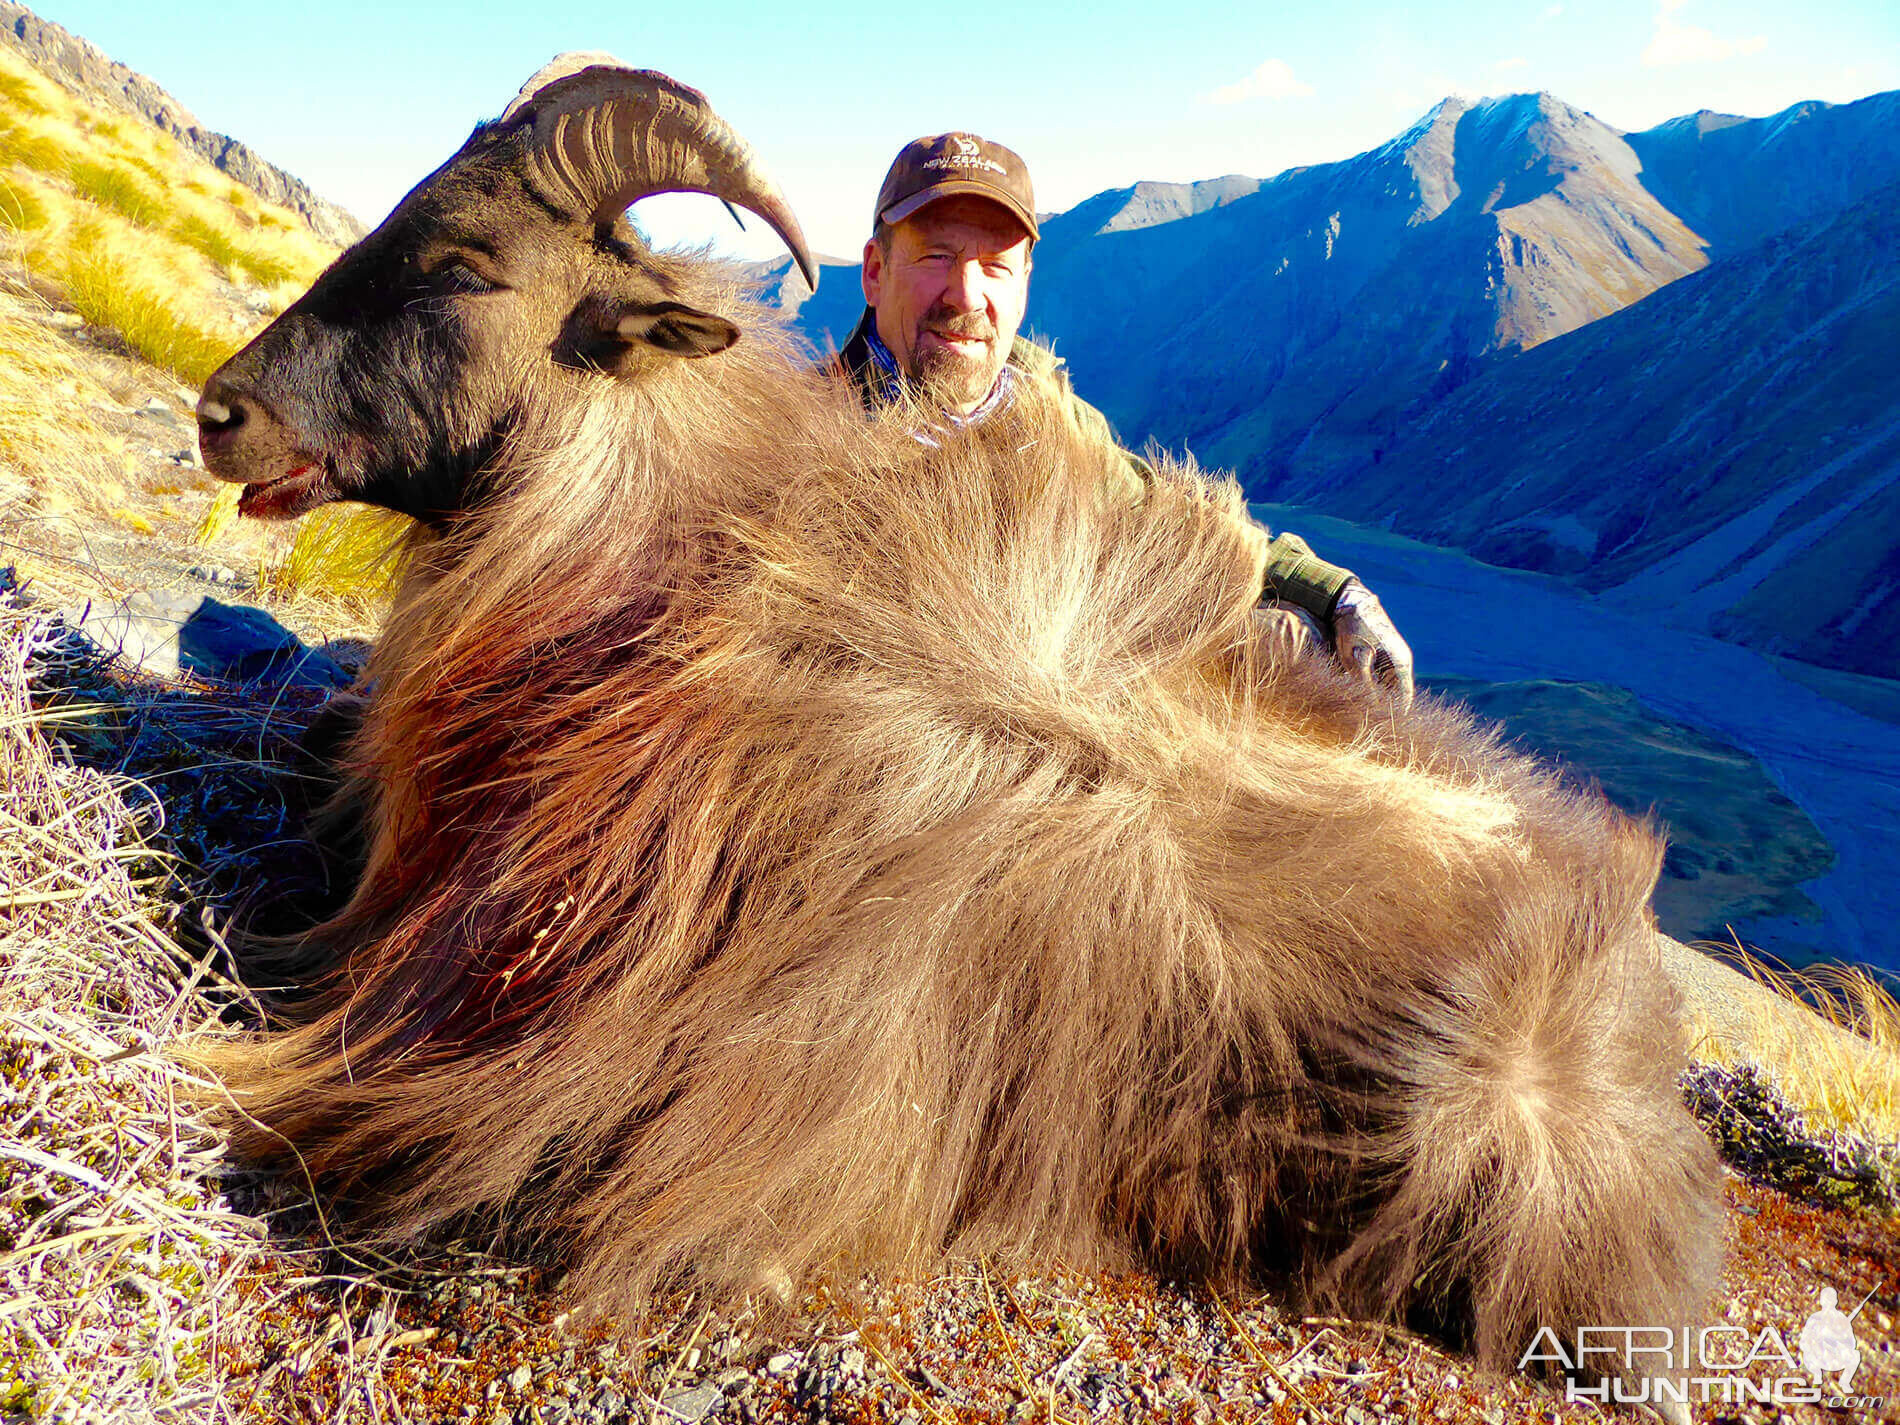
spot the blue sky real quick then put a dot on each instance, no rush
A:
(361, 100)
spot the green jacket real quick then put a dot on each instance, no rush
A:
(1294, 574)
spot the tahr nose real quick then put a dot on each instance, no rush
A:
(222, 413)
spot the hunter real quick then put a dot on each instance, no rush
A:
(946, 279)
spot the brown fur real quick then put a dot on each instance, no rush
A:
(795, 847)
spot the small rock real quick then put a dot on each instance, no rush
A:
(781, 1363)
(518, 1378)
(166, 632)
(694, 1404)
(1451, 1381)
(736, 1381)
(852, 1361)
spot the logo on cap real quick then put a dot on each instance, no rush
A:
(947, 165)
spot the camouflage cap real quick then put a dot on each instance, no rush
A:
(951, 164)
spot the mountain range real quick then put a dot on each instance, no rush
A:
(1655, 362)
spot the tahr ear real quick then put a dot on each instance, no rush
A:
(615, 337)
(677, 330)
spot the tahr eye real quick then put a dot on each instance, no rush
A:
(457, 276)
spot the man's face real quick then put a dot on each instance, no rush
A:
(950, 294)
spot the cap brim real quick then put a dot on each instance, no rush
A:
(960, 188)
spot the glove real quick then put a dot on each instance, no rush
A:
(1285, 631)
(1366, 642)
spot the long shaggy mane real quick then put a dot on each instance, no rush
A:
(796, 846)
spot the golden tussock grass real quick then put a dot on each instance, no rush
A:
(349, 552)
(20, 94)
(136, 230)
(20, 208)
(145, 240)
(1847, 1081)
(118, 189)
(224, 251)
(111, 290)
(25, 148)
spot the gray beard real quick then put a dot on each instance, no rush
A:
(944, 379)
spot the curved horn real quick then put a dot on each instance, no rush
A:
(606, 135)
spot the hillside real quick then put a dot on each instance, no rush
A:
(129, 269)
(77, 62)
(1725, 451)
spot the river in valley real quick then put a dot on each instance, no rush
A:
(1840, 766)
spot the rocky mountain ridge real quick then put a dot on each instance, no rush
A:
(78, 63)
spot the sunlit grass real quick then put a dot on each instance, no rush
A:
(346, 551)
(16, 93)
(20, 208)
(227, 253)
(221, 517)
(24, 147)
(109, 291)
(1848, 1081)
(117, 189)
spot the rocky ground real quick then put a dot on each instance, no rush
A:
(472, 1338)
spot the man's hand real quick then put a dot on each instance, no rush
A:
(1285, 631)
(1367, 643)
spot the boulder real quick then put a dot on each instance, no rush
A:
(171, 632)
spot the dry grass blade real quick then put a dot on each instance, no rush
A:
(1245, 1337)
(1846, 1083)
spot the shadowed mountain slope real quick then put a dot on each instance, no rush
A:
(1727, 450)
